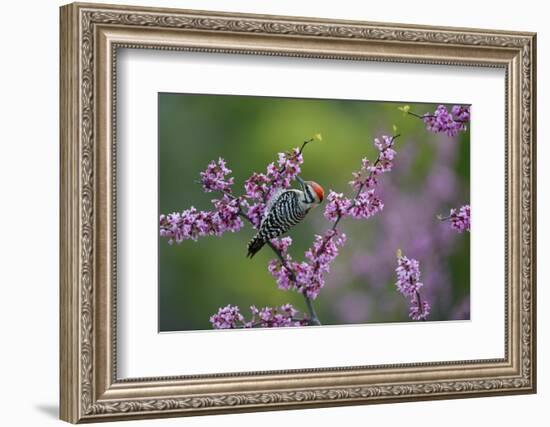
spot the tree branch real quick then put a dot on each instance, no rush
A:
(359, 190)
(313, 318)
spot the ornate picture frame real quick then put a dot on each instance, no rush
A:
(90, 37)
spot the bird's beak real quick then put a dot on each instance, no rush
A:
(301, 182)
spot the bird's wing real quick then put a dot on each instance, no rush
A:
(272, 200)
(281, 216)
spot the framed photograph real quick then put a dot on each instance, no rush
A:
(266, 212)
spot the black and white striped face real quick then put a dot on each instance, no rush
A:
(314, 193)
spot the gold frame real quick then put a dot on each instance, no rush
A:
(90, 36)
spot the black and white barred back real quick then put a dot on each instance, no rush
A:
(285, 212)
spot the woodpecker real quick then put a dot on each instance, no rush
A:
(285, 209)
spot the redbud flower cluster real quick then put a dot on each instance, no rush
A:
(306, 277)
(192, 223)
(419, 309)
(441, 120)
(366, 203)
(214, 177)
(259, 187)
(460, 220)
(230, 317)
(408, 283)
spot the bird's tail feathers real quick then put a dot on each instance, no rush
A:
(255, 245)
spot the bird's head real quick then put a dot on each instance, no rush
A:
(314, 192)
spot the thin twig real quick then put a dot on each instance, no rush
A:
(419, 116)
(420, 306)
(418, 299)
(432, 116)
(306, 142)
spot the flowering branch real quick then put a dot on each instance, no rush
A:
(365, 204)
(441, 120)
(307, 277)
(230, 210)
(230, 317)
(313, 319)
(408, 283)
(260, 187)
(459, 220)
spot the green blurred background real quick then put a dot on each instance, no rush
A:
(431, 175)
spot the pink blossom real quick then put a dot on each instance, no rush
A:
(192, 224)
(408, 283)
(408, 276)
(282, 273)
(460, 220)
(416, 313)
(337, 206)
(260, 186)
(366, 203)
(289, 168)
(254, 212)
(226, 217)
(214, 177)
(324, 250)
(282, 244)
(307, 277)
(230, 317)
(257, 186)
(227, 317)
(443, 121)
(461, 113)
